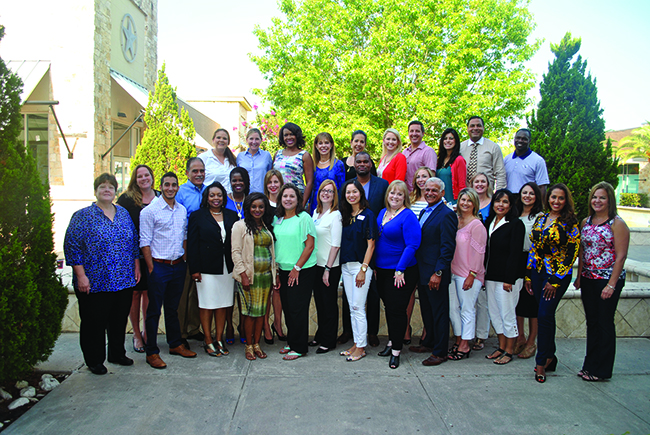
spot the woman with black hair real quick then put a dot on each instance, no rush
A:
(253, 254)
(529, 204)
(240, 184)
(293, 162)
(219, 161)
(357, 248)
(451, 167)
(503, 278)
(210, 262)
(358, 144)
(556, 240)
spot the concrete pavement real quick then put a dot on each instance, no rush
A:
(324, 394)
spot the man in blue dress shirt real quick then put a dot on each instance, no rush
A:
(189, 195)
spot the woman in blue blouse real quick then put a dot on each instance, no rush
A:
(328, 167)
(357, 248)
(399, 238)
(101, 245)
(256, 161)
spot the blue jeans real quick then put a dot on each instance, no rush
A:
(165, 289)
(546, 315)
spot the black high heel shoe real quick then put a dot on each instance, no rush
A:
(280, 337)
(386, 352)
(410, 333)
(394, 361)
(268, 341)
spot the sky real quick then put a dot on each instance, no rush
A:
(207, 54)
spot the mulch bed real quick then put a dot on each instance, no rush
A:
(6, 416)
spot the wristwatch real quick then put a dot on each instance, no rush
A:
(399, 273)
(298, 268)
(364, 268)
(438, 272)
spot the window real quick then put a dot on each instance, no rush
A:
(122, 153)
(628, 178)
(35, 137)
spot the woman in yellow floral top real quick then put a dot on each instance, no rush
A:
(556, 239)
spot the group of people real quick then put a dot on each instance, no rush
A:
(266, 232)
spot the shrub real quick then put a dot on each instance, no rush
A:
(32, 298)
(630, 200)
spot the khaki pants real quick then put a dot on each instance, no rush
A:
(188, 308)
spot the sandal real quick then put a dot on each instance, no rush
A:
(258, 351)
(291, 356)
(222, 348)
(139, 349)
(479, 344)
(502, 357)
(458, 355)
(356, 357)
(582, 372)
(410, 331)
(540, 378)
(591, 378)
(230, 335)
(493, 356)
(453, 350)
(249, 353)
(210, 350)
(285, 350)
(528, 352)
(519, 348)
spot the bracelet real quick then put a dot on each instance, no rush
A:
(471, 272)
(298, 268)
(365, 264)
(327, 268)
(609, 285)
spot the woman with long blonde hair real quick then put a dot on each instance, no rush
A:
(392, 165)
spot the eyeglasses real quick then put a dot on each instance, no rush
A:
(327, 191)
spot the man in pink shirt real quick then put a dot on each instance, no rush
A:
(418, 153)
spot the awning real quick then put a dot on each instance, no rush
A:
(138, 92)
(30, 72)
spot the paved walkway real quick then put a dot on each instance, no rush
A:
(323, 394)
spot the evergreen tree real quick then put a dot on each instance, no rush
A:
(568, 127)
(167, 142)
(32, 298)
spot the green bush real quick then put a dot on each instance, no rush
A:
(629, 200)
(643, 199)
(32, 298)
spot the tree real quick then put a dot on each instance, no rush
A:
(339, 65)
(635, 145)
(32, 298)
(568, 126)
(167, 142)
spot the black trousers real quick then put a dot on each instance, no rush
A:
(102, 313)
(327, 307)
(295, 305)
(434, 306)
(601, 331)
(372, 310)
(396, 300)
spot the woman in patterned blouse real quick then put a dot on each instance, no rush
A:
(293, 162)
(556, 239)
(601, 277)
(101, 245)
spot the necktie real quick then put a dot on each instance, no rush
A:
(473, 162)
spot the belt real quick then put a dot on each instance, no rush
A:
(170, 262)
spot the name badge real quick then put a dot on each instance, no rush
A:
(361, 217)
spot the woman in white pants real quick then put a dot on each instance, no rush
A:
(503, 276)
(357, 247)
(468, 272)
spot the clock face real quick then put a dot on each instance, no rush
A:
(129, 38)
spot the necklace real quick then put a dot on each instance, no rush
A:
(216, 213)
(353, 218)
(239, 206)
(392, 215)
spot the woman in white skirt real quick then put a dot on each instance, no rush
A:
(210, 262)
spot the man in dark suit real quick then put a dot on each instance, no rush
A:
(439, 225)
(375, 191)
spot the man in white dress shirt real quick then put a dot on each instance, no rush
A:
(163, 239)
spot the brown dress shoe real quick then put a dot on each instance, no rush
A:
(180, 350)
(420, 349)
(433, 361)
(156, 362)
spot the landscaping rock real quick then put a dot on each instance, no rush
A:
(21, 401)
(48, 383)
(22, 384)
(5, 395)
(28, 392)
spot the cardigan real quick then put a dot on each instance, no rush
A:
(396, 169)
(243, 249)
(205, 248)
